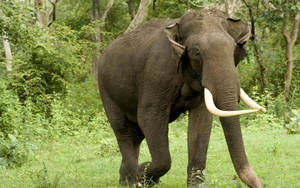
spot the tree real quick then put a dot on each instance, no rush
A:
(52, 16)
(290, 39)
(140, 15)
(253, 38)
(8, 55)
(99, 19)
(131, 8)
(7, 50)
(42, 14)
(229, 6)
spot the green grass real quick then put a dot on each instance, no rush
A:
(81, 161)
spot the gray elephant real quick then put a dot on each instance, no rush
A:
(165, 67)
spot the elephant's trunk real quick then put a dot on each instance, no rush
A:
(232, 131)
(227, 99)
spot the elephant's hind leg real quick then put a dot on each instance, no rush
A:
(129, 143)
(154, 124)
(129, 137)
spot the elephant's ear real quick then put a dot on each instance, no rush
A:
(173, 37)
(240, 32)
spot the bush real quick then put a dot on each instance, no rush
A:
(14, 153)
(45, 60)
(10, 108)
(292, 121)
(76, 109)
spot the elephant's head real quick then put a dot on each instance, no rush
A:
(210, 46)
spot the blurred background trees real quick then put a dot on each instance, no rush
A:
(49, 51)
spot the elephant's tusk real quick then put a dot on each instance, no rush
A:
(211, 107)
(251, 103)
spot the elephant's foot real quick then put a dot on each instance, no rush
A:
(131, 185)
(130, 182)
(196, 179)
(145, 180)
(123, 182)
(136, 185)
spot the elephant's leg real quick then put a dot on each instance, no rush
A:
(129, 144)
(200, 121)
(233, 135)
(129, 137)
(153, 121)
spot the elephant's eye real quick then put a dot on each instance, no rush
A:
(195, 51)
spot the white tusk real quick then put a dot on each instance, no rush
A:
(250, 102)
(211, 107)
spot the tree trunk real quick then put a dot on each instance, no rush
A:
(52, 15)
(8, 55)
(7, 50)
(108, 7)
(96, 15)
(262, 68)
(290, 40)
(95, 9)
(188, 5)
(140, 15)
(40, 14)
(97, 37)
(229, 7)
(131, 8)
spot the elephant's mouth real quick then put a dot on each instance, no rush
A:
(209, 102)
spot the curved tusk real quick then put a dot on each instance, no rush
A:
(250, 102)
(211, 107)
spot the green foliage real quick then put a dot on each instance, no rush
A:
(52, 62)
(293, 121)
(117, 20)
(41, 179)
(10, 109)
(75, 14)
(78, 108)
(168, 9)
(14, 153)
(45, 60)
(47, 63)
(73, 162)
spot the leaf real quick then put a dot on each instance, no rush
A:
(12, 138)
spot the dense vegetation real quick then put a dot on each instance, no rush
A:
(51, 96)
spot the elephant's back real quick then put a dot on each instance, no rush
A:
(136, 44)
(128, 54)
(122, 63)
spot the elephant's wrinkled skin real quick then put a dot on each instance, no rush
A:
(151, 75)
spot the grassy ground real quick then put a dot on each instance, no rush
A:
(80, 161)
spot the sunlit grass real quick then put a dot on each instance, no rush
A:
(80, 161)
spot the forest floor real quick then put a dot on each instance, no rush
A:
(81, 161)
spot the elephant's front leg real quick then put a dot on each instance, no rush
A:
(200, 122)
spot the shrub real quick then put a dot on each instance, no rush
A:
(76, 109)
(14, 153)
(45, 60)
(292, 121)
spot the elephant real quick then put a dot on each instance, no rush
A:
(163, 68)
